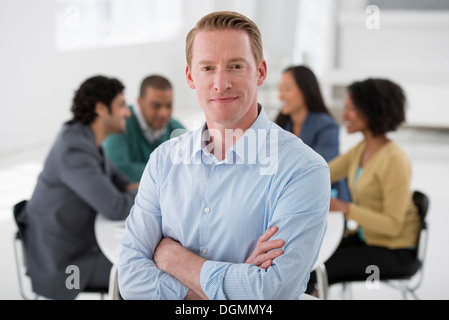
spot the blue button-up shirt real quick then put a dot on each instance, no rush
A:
(219, 209)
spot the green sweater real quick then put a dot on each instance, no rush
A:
(130, 151)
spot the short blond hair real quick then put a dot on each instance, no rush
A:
(222, 20)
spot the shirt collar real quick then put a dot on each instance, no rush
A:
(150, 134)
(257, 134)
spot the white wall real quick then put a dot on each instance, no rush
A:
(410, 47)
(37, 82)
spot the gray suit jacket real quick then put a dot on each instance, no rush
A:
(76, 183)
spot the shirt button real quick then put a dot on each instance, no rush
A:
(204, 251)
(207, 209)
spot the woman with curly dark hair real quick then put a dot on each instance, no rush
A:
(379, 174)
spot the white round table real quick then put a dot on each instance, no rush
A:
(109, 234)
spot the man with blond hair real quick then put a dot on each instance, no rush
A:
(233, 210)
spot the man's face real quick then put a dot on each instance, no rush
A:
(156, 106)
(225, 75)
(115, 121)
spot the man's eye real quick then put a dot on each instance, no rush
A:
(236, 66)
(206, 69)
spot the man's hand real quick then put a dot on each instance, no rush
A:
(261, 255)
(132, 186)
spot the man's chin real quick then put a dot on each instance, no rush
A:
(159, 126)
(121, 129)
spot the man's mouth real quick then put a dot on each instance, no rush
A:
(224, 99)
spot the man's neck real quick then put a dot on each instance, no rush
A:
(225, 136)
(151, 134)
(99, 132)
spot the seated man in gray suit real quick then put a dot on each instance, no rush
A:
(76, 183)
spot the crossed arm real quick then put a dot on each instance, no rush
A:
(163, 269)
(185, 266)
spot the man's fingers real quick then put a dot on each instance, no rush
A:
(268, 234)
(264, 258)
(263, 248)
(270, 245)
(265, 252)
(266, 264)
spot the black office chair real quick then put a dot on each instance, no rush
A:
(19, 243)
(409, 282)
(19, 251)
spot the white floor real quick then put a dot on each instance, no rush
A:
(428, 151)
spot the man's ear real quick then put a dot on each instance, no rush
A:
(189, 78)
(262, 72)
(101, 109)
(139, 102)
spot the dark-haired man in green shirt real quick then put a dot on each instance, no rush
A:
(150, 125)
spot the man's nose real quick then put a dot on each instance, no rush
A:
(165, 111)
(222, 81)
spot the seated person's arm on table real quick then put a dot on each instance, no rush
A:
(117, 150)
(81, 173)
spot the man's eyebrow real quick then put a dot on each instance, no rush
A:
(232, 60)
(238, 60)
(205, 62)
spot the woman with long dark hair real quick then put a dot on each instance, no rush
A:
(305, 114)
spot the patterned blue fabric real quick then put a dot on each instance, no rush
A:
(219, 209)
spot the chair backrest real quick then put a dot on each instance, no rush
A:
(422, 203)
(19, 217)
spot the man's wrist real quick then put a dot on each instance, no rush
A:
(186, 267)
(172, 258)
(168, 255)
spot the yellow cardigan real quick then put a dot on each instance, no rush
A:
(381, 199)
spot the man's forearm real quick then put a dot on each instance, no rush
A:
(180, 263)
(185, 266)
